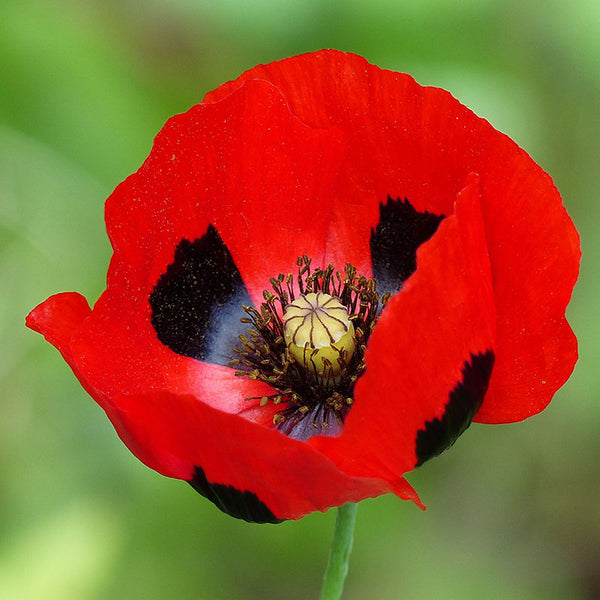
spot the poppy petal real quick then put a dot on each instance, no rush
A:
(57, 318)
(254, 473)
(429, 358)
(534, 251)
(119, 349)
(405, 140)
(247, 167)
(278, 478)
(108, 359)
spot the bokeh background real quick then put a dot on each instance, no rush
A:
(84, 86)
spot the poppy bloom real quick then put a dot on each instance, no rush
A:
(321, 275)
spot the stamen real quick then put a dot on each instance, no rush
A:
(307, 341)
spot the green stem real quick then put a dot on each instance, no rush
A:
(341, 546)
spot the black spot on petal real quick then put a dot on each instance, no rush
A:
(196, 303)
(241, 505)
(464, 402)
(395, 240)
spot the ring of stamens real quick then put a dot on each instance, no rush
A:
(266, 356)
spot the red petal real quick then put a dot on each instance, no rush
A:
(403, 139)
(58, 318)
(239, 164)
(419, 142)
(174, 434)
(415, 356)
(534, 249)
(246, 165)
(112, 352)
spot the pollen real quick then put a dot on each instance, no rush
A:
(319, 334)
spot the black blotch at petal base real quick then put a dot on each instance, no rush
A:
(395, 240)
(241, 505)
(196, 303)
(464, 402)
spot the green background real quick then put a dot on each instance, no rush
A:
(84, 87)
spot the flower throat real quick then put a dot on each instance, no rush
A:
(310, 346)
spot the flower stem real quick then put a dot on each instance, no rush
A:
(341, 546)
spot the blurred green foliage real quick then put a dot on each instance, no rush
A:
(84, 87)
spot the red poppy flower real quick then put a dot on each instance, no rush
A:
(428, 239)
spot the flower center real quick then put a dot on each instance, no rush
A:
(319, 334)
(309, 347)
